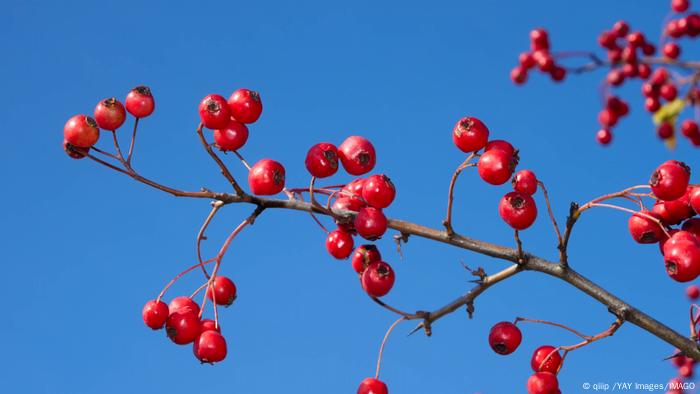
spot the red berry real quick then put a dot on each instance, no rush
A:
(629, 54)
(353, 189)
(210, 325)
(518, 210)
(357, 155)
(643, 229)
(668, 91)
(689, 128)
(629, 70)
(210, 347)
(650, 90)
(603, 136)
(539, 39)
(372, 386)
(339, 244)
(81, 131)
(621, 28)
(679, 5)
(110, 114)
(139, 102)
(648, 50)
(618, 106)
(505, 337)
(470, 134)
(214, 112)
(518, 75)
(378, 279)
(154, 314)
(378, 191)
(364, 256)
(539, 356)
(692, 226)
(659, 76)
(526, 60)
(636, 39)
(75, 152)
(224, 290)
(544, 60)
(693, 24)
(557, 73)
(183, 305)
(686, 371)
(543, 383)
(183, 327)
(682, 256)
(652, 104)
(692, 292)
(322, 160)
(607, 39)
(643, 69)
(607, 118)
(616, 77)
(502, 145)
(347, 204)
(665, 130)
(672, 50)
(496, 166)
(614, 55)
(370, 223)
(266, 178)
(232, 137)
(675, 211)
(670, 180)
(525, 181)
(245, 105)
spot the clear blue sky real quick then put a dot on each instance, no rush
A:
(84, 248)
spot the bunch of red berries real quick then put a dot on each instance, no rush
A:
(538, 56)
(687, 25)
(365, 198)
(496, 166)
(81, 132)
(182, 319)
(676, 202)
(546, 361)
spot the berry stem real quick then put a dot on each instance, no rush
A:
(381, 348)
(633, 212)
(200, 236)
(224, 170)
(180, 275)
(450, 194)
(560, 241)
(242, 159)
(406, 315)
(130, 155)
(549, 323)
(119, 155)
(519, 243)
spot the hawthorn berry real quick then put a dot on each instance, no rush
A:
(470, 134)
(496, 166)
(552, 364)
(621, 28)
(183, 327)
(339, 244)
(692, 226)
(680, 5)
(526, 60)
(676, 211)
(525, 181)
(372, 386)
(670, 180)
(370, 223)
(671, 50)
(665, 130)
(210, 347)
(518, 75)
(505, 337)
(607, 118)
(616, 77)
(322, 160)
(378, 279)
(652, 104)
(643, 69)
(557, 73)
(353, 189)
(689, 128)
(266, 178)
(692, 292)
(232, 137)
(348, 204)
(604, 136)
(183, 304)
(636, 39)
(209, 325)
(75, 152)
(154, 314)
(607, 39)
(378, 191)
(643, 229)
(81, 131)
(139, 102)
(543, 383)
(668, 91)
(357, 155)
(245, 105)
(502, 145)
(686, 371)
(364, 256)
(539, 39)
(544, 60)
(110, 114)
(648, 50)
(214, 112)
(518, 210)
(682, 256)
(224, 291)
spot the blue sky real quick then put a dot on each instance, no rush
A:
(84, 247)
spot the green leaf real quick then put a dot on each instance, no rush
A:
(669, 112)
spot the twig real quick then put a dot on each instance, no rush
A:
(448, 217)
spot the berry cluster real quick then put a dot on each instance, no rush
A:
(629, 55)
(496, 166)
(538, 56)
(546, 361)
(676, 202)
